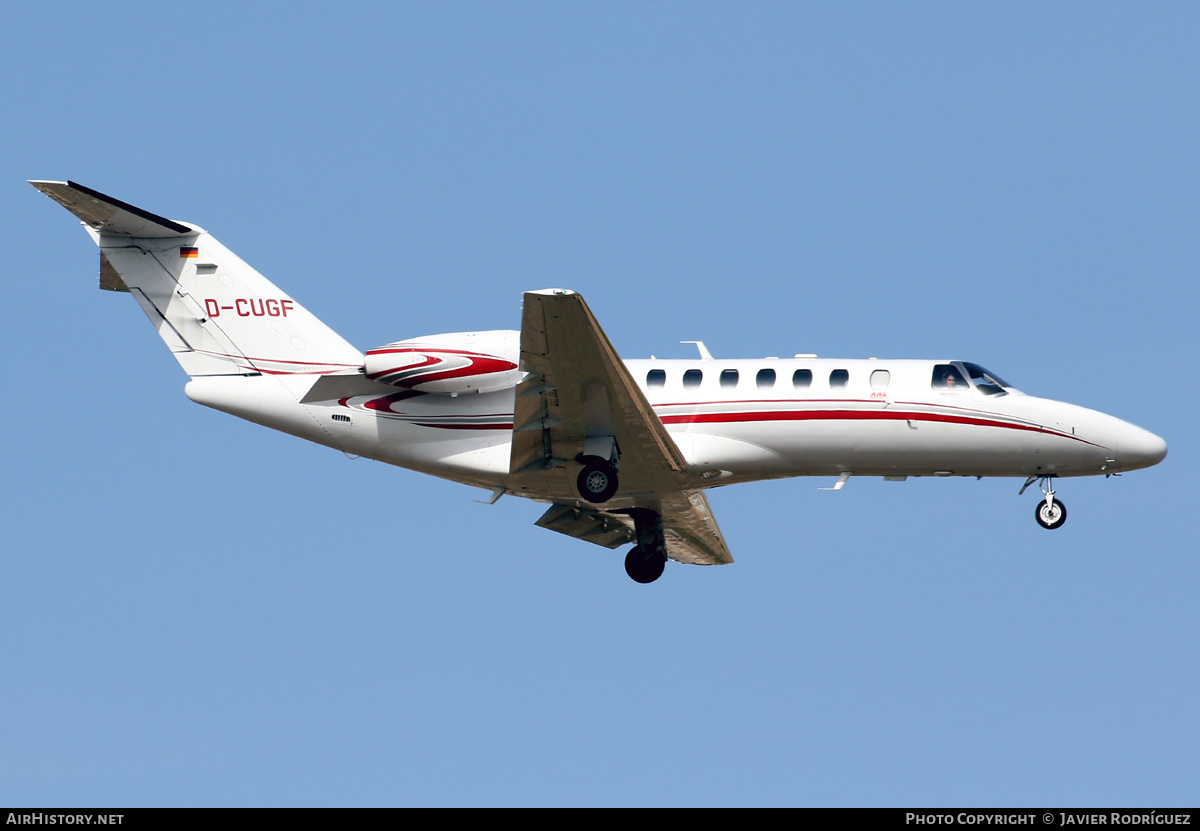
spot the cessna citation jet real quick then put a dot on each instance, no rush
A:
(622, 451)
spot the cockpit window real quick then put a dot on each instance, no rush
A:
(947, 377)
(986, 382)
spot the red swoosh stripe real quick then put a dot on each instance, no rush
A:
(856, 415)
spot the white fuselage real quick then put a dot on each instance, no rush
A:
(734, 421)
(622, 450)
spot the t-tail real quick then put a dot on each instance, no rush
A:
(217, 315)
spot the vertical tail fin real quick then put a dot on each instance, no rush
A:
(217, 315)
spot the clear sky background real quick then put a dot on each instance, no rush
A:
(198, 611)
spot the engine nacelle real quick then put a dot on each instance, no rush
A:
(451, 364)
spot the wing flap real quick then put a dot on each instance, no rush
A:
(599, 527)
(691, 531)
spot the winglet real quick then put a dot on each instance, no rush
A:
(108, 215)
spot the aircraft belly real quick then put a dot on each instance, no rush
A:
(464, 459)
(473, 457)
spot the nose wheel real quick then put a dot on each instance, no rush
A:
(1050, 512)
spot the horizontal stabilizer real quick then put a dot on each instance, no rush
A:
(111, 216)
(330, 388)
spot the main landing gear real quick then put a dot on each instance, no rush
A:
(642, 567)
(597, 482)
(645, 561)
(1049, 512)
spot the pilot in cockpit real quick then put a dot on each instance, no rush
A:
(948, 378)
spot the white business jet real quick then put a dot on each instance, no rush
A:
(621, 450)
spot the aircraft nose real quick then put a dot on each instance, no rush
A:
(1140, 448)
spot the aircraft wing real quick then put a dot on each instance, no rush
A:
(691, 530)
(576, 387)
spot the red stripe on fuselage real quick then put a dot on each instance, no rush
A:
(835, 415)
(857, 415)
(727, 401)
(464, 426)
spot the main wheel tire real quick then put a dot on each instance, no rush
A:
(597, 483)
(642, 567)
(1051, 516)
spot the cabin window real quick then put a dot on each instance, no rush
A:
(692, 379)
(802, 379)
(880, 379)
(656, 379)
(729, 379)
(947, 377)
(765, 379)
(838, 379)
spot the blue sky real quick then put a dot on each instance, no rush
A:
(201, 612)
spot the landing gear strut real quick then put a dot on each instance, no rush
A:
(645, 561)
(1050, 512)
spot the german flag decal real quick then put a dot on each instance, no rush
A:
(186, 253)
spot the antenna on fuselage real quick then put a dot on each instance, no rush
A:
(705, 355)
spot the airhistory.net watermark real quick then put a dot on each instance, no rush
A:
(41, 818)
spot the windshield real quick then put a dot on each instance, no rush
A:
(988, 383)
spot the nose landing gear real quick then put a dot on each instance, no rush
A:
(1050, 512)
